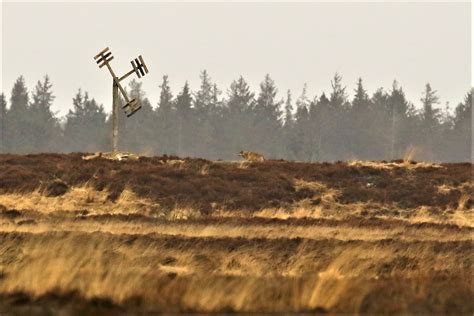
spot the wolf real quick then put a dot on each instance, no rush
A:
(251, 156)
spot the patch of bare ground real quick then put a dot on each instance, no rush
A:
(174, 235)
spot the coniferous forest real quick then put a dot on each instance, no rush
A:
(341, 124)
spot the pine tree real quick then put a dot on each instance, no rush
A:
(216, 119)
(361, 100)
(19, 98)
(320, 113)
(288, 127)
(203, 98)
(398, 109)
(267, 120)
(3, 123)
(235, 130)
(184, 120)
(19, 132)
(361, 119)
(288, 110)
(429, 99)
(203, 109)
(339, 133)
(301, 146)
(338, 96)
(85, 127)
(429, 122)
(464, 150)
(381, 126)
(139, 133)
(166, 119)
(45, 126)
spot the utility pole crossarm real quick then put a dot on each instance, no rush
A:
(127, 74)
(103, 58)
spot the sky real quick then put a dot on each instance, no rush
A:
(295, 43)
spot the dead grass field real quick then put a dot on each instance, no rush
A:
(188, 235)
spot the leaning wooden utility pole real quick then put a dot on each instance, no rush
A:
(115, 116)
(131, 106)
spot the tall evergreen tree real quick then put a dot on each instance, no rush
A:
(361, 100)
(302, 146)
(288, 109)
(398, 109)
(139, 133)
(237, 120)
(381, 126)
(338, 96)
(338, 136)
(361, 119)
(320, 113)
(429, 122)
(18, 131)
(45, 126)
(19, 98)
(267, 120)
(184, 120)
(3, 122)
(166, 116)
(204, 108)
(288, 127)
(429, 99)
(464, 150)
(216, 119)
(85, 128)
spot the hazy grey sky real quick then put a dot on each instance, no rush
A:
(295, 43)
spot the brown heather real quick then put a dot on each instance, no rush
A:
(165, 234)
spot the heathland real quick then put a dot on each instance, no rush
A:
(165, 234)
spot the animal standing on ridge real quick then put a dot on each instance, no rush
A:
(252, 156)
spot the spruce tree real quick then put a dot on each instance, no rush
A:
(398, 108)
(235, 130)
(203, 111)
(19, 132)
(429, 122)
(267, 120)
(320, 113)
(288, 109)
(301, 147)
(139, 133)
(338, 96)
(166, 120)
(338, 129)
(381, 126)
(361, 119)
(85, 127)
(3, 123)
(44, 124)
(288, 127)
(184, 121)
(463, 130)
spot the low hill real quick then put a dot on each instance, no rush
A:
(169, 234)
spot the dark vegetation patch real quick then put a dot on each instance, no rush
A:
(226, 185)
(57, 302)
(56, 188)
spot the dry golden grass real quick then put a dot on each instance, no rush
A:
(81, 198)
(179, 273)
(390, 165)
(85, 253)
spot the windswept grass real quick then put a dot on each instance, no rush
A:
(181, 235)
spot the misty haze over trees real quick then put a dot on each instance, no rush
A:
(340, 125)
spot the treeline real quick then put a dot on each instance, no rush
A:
(210, 124)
